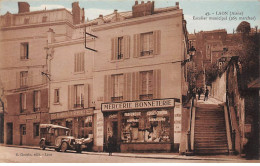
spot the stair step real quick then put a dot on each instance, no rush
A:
(211, 146)
(211, 151)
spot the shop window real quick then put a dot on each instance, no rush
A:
(36, 129)
(79, 96)
(85, 127)
(22, 102)
(79, 62)
(37, 100)
(118, 87)
(146, 85)
(23, 78)
(149, 126)
(56, 95)
(24, 50)
(147, 43)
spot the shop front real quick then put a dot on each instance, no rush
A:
(140, 125)
(79, 121)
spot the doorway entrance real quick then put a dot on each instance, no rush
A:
(22, 134)
(9, 133)
(112, 129)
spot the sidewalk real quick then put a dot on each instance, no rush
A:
(217, 158)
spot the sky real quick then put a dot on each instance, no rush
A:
(200, 15)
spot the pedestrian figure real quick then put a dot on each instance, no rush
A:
(110, 146)
(199, 93)
(206, 94)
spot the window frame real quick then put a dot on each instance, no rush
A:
(148, 94)
(24, 51)
(150, 44)
(36, 132)
(79, 62)
(37, 100)
(56, 96)
(118, 91)
(24, 78)
(81, 97)
(23, 102)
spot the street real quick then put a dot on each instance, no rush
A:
(24, 155)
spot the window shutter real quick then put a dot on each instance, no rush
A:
(107, 88)
(18, 80)
(21, 51)
(83, 61)
(30, 78)
(86, 96)
(137, 45)
(114, 48)
(71, 97)
(126, 47)
(157, 84)
(135, 85)
(127, 87)
(157, 42)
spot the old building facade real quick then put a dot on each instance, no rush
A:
(123, 79)
(24, 69)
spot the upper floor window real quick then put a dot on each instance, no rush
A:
(118, 87)
(23, 102)
(24, 50)
(147, 43)
(23, 78)
(120, 48)
(79, 62)
(36, 129)
(79, 96)
(146, 85)
(26, 21)
(56, 95)
(44, 19)
(37, 100)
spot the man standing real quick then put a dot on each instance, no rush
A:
(206, 94)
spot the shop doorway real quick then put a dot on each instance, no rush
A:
(112, 130)
(9, 133)
(22, 134)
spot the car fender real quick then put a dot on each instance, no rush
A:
(42, 139)
(58, 142)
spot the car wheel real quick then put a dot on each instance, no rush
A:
(57, 149)
(42, 145)
(79, 149)
(63, 146)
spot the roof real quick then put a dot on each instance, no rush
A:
(52, 126)
(128, 14)
(254, 84)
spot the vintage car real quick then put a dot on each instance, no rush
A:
(58, 137)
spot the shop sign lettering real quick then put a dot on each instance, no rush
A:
(132, 114)
(137, 105)
(157, 119)
(164, 112)
(132, 120)
(70, 114)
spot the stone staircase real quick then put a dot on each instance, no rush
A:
(210, 131)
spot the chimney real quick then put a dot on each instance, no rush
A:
(50, 35)
(177, 4)
(143, 9)
(23, 7)
(77, 13)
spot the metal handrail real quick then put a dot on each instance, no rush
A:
(232, 129)
(188, 143)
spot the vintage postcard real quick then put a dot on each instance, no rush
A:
(129, 81)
